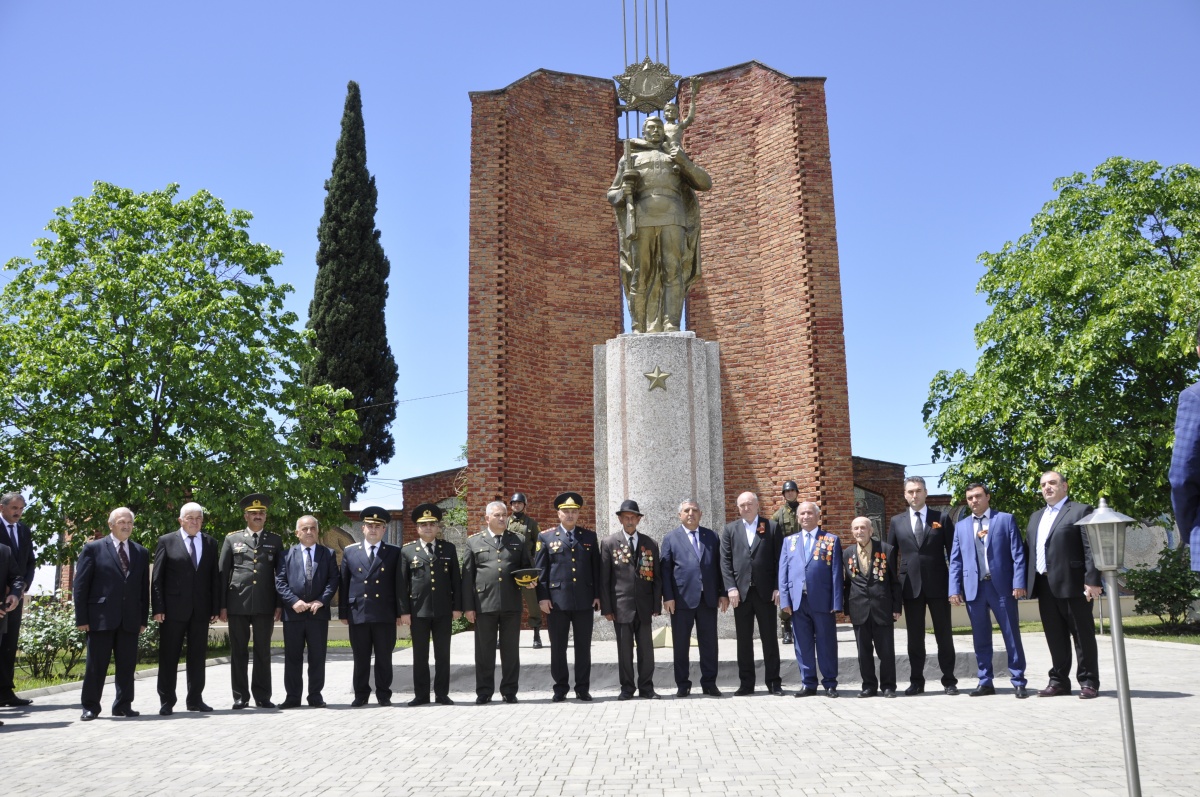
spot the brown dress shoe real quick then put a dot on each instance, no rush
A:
(1053, 690)
(1088, 692)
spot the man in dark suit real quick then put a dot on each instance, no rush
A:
(112, 604)
(987, 572)
(569, 558)
(11, 588)
(306, 578)
(750, 571)
(693, 591)
(16, 535)
(630, 595)
(370, 604)
(186, 598)
(1064, 580)
(249, 601)
(1185, 466)
(923, 536)
(810, 589)
(431, 599)
(493, 602)
(872, 599)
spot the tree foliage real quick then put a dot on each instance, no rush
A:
(150, 362)
(347, 309)
(1090, 338)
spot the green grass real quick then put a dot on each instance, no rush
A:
(1136, 627)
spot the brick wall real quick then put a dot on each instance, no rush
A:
(883, 478)
(432, 488)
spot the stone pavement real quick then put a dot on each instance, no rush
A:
(933, 744)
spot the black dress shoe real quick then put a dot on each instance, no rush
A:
(481, 700)
(742, 691)
(807, 691)
(951, 690)
(358, 702)
(683, 691)
(915, 689)
(787, 636)
(1053, 690)
(387, 701)
(125, 712)
(199, 707)
(982, 690)
(1021, 692)
(238, 705)
(625, 696)
(289, 703)
(586, 697)
(444, 700)
(419, 701)
(558, 698)
(889, 692)
(318, 703)
(711, 691)
(652, 695)
(537, 640)
(12, 701)
(1088, 692)
(777, 691)
(831, 691)
(513, 698)
(165, 711)
(264, 704)
(88, 715)
(867, 693)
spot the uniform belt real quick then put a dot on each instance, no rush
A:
(661, 192)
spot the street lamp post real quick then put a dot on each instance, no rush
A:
(1106, 534)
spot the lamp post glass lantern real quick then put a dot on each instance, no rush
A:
(1106, 538)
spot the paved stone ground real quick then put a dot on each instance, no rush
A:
(761, 744)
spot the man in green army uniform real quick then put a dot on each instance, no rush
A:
(522, 524)
(785, 520)
(249, 601)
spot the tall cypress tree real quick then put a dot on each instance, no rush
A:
(346, 312)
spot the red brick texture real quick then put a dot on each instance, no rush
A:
(432, 488)
(885, 479)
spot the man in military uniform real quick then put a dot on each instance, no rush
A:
(492, 601)
(569, 558)
(527, 527)
(785, 520)
(430, 601)
(369, 602)
(249, 601)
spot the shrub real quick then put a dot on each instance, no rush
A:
(1167, 591)
(49, 637)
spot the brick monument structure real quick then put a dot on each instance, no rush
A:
(544, 286)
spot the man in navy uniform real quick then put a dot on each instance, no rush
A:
(521, 523)
(307, 578)
(112, 605)
(369, 602)
(249, 602)
(630, 595)
(569, 558)
(873, 602)
(810, 589)
(430, 601)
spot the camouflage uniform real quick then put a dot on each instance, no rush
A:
(788, 524)
(527, 528)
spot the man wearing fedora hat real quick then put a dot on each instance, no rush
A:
(569, 558)
(630, 595)
(430, 601)
(519, 522)
(369, 602)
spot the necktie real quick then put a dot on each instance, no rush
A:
(429, 549)
(981, 547)
(123, 558)
(192, 550)
(696, 543)
(12, 535)
(308, 566)
(255, 539)
(371, 558)
(918, 528)
(498, 538)
(632, 549)
(808, 543)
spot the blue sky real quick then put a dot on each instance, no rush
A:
(948, 123)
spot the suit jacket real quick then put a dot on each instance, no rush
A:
(684, 577)
(570, 570)
(290, 581)
(872, 595)
(430, 586)
(105, 598)
(369, 591)
(248, 572)
(1069, 562)
(179, 589)
(487, 581)
(1185, 463)
(23, 557)
(10, 581)
(923, 565)
(630, 583)
(743, 564)
(820, 575)
(1005, 551)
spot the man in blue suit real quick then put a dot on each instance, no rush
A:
(692, 593)
(810, 589)
(987, 571)
(1185, 466)
(306, 578)
(112, 604)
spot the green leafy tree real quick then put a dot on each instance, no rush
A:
(150, 362)
(1090, 338)
(347, 309)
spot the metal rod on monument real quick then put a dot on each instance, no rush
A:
(655, 30)
(667, 38)
(624, 34)
(636, 54)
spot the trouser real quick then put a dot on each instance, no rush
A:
(259, 685)
(914, 620)
(101, 647)
(638, 633)
(815, 632)
(378, 639)
(505, 626)
(753, 608)
(657, 285)
(298, 634)
(10, 640)
(559, 624)
(439, 628)
(704, 619)
(531, 604)
(1066, 621)
(871, 639)
(1004, 607)
(171, 636)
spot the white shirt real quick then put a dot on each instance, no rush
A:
(1044, 526)
(188, 548)
(977, 524)
(751, 530)
(632, 540)
(914, 514)
(13, 533)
